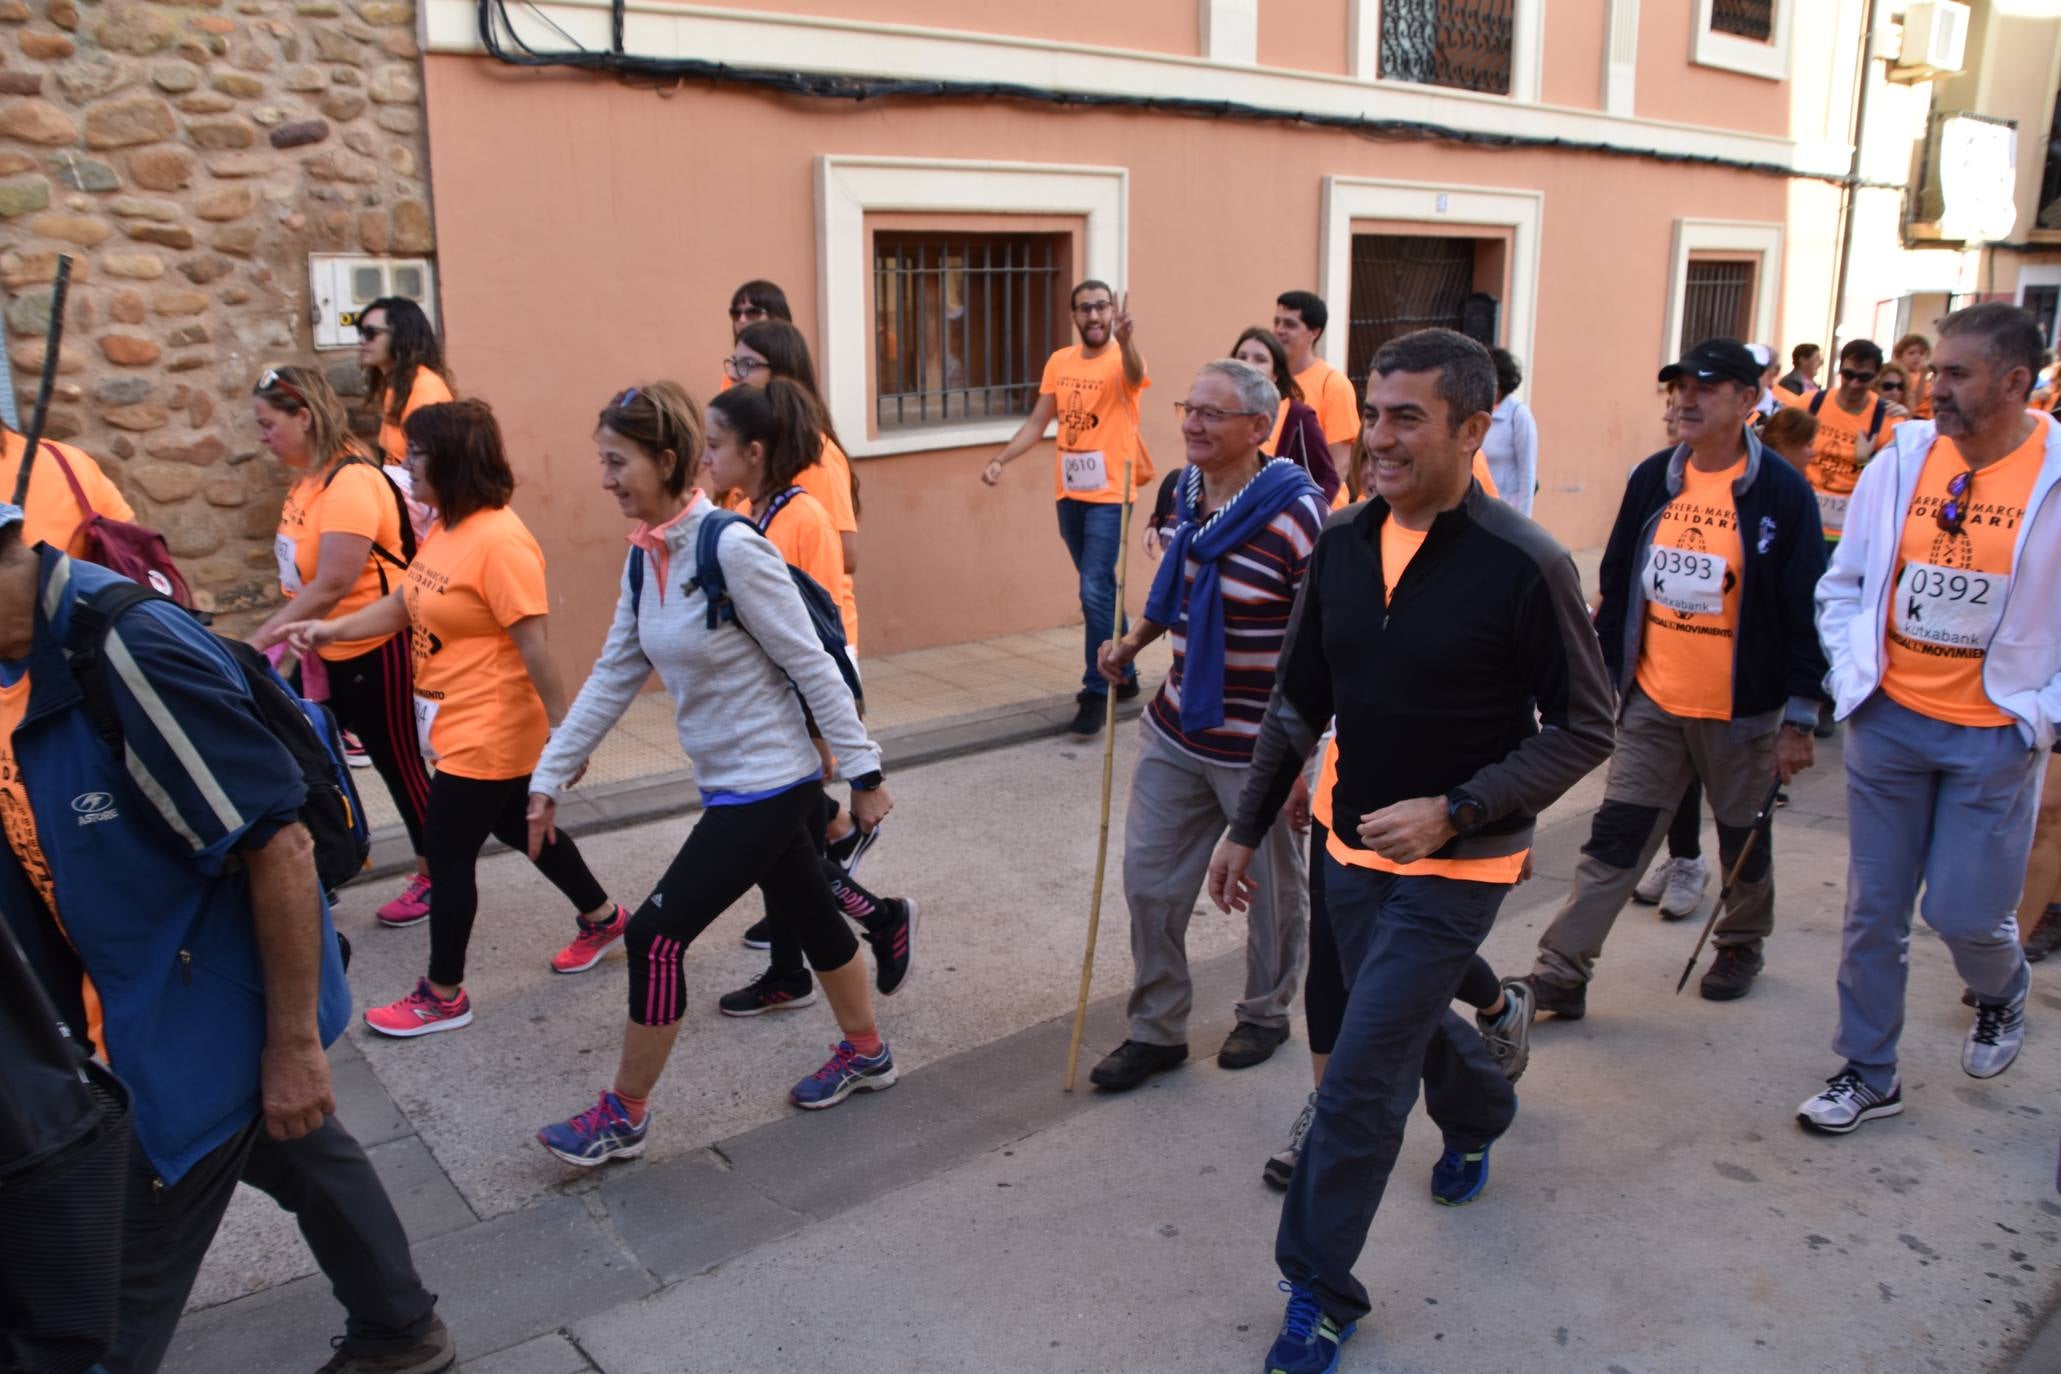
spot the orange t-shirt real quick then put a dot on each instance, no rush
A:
(52, 515)
(429, 389)
(477, 714)
(19, 822)
(802, 530)
(1832, 470)
(1098, 425)
(1950, 588)
(1480, 469)
(1329, 392)
(1691, 579)
(1398, 547)
(829, 480)
(359, 501)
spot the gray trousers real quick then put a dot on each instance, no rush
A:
(1180, 807)
(1948, 806)
(1403, 946)
(1657, 756)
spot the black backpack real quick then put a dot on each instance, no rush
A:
(332, 813)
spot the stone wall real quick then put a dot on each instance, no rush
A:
(189, 156)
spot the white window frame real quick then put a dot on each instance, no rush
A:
(1742, 237)
(848, 187)
(1527, 46)
(1347, 199)
(2038, 274)
(1729, 52)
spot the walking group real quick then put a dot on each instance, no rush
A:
(1383, 673)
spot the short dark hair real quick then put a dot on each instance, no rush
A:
(762, 295)
(463, 460)
(1802, 351)
(1789, 427)
(1309, 305)
(1862, 351)
(1509, 372)
(2010, 334)
(1466, 372)
(1073, 297)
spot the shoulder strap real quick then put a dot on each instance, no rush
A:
(379, 550)
(71, 478)
(636, 581)
(775, 506)
(1817, 400)
(91, 619)
(708, 568)
(1875, 420)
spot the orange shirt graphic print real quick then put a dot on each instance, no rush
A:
(1095, 408)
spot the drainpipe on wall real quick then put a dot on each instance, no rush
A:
(1851, 191)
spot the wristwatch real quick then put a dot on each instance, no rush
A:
(867, 782)
(1466, 814)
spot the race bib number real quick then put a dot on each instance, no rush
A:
(425, 721)
(1950, 607)
(1687, 580)
(1088, 471)
(289, 572)
(1832, 511)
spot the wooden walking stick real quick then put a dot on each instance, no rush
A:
(1116, 629)
(53, 339)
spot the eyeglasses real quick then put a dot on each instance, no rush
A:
(270, 380)
(1857, 378)
(1095, 308)
(1209, 415)
(747, 312)
(1954, 513)
(369, 332)
(738, 369)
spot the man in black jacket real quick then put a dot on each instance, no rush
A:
(1707, 626)
(1441, 629)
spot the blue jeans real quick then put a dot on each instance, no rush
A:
(1092, 533)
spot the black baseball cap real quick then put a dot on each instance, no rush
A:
(1716, 360)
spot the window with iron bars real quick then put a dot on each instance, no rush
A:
(1753, 19)
(1717, 301)
(1460, 43)
(1401, 283)
(963, 323)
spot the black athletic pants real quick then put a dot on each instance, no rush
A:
(372, 696)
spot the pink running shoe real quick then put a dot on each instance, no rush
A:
(590, 944)
(411, 907)
(421, 1012)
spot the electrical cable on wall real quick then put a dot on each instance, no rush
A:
(498, 36)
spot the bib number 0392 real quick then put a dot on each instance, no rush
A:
(1953, 608)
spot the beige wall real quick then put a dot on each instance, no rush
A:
(638, 214)
(1308, 35)
(1572, 71)
(1672, 88)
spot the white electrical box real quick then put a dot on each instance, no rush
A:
(1935, 39)
(341, 285)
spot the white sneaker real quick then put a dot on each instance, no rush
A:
(1281, 1166)
(1654, 883)
(1847, 1102)
(1685, 888)
(1995, 1038)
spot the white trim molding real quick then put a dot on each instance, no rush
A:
(1621, 57)
(1230, 31)
(1724, 236)
(1527, 45)
(1729, 52)
(849, 186)
(816, 43)
(1347, 199)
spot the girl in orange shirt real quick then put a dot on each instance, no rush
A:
(341, 545)
(487, 695)
(404, 371)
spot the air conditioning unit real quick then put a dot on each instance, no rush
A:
(1935, 40)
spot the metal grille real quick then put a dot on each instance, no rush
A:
(1403, 282)
(1716, 302)
(1753, 19)
(1462, 43)
(963, 324)
(2043, 303)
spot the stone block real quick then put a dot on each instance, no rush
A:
(339, 165)
(145, 207)
(233, 165)
(128, 307)
(62, 13)
(86, 230)
(21, 267)
(13, 12)
(342, 106)
(163, 235)
(174, 78)
(12, 162)
(137, 266)
(200, 408)
(137, 29)
(177, 303)
(63, 424)
(361, 141)
(19, 196)
(241, 85)
(129, 350)
(37, 121)
(201, 450)
(204, 269)
(299, 133)
(251, 57)
(122, 391)
(237, 240)
(126, 123)
(401, 159)
(373, 231)
(161, 169)
(221, 135)
(400, 43)
(395, 84)
(187, 362)
(269, 115)
(44, 47)
(228, 491)
(412, 231)
(231, 202)
(332, 46)
(306, 77)
(190, 532)
(206, 103)
(137, 419)
(84, 173)
(26, 356)
(21, 83)
(92, 75)
(29, 311)
(381, 13)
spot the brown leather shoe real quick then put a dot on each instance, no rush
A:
(1134, 1061)
(1248, 1044)
(1732, 973)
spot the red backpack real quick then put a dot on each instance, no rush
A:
(137, 552)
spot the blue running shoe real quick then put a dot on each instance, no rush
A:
(1457, 1179)
(597, 1135)
(1309, 1340)
(847, 1072)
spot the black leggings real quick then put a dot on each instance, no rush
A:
(1685, 836)
(462, 813)
(772, 845)
(853, 900)
(372, 697)
(1323, 986)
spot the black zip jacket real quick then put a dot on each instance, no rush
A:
(1777, 665)
(1445, 690)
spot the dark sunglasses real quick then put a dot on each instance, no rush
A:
(1954, 513)
(1889, 386)
(747, 312)
(369, 332)
(1857, 378)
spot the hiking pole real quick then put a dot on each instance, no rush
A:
(53, 337)
(1760, 822)
(1116, 629)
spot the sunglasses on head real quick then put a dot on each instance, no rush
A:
(270, 380)
(1954, 512)
(624, 397)
(1857, 378)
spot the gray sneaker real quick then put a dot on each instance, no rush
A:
(1995, 1038)
(1685, 887)
(1508, 1037)
(1847, 1102)
(1281, 1166)
(1654, 885)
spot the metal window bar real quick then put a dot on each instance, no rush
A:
(1753, 19)
(1716, 302)
(1459, 43)
(1403, 282)
(2043, 303)
(963, 325)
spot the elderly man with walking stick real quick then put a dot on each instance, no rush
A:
(1246, 525)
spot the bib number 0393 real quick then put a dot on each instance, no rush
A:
(1687, 580)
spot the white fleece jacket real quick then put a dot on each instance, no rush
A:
(734, 688)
